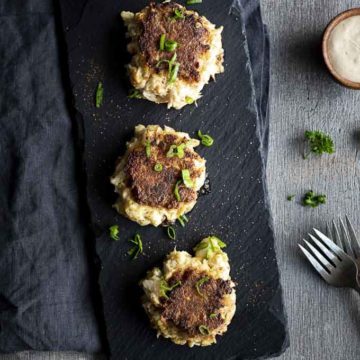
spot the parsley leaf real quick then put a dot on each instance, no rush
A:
(319, 143)
(313, 200)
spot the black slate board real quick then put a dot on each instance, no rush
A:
(235, 210)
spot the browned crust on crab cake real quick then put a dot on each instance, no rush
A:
(156, 189)
(190, 34)
(188, 309)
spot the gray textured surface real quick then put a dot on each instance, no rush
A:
(324, 322)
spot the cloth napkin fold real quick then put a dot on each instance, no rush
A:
(47, 291)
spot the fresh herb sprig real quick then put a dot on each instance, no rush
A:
(313, 200)
(318, 143)
(137, 248)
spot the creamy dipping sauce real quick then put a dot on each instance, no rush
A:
(344, 48)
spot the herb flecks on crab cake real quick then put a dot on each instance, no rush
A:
(159, 176)
(192, 299)
(175, 53)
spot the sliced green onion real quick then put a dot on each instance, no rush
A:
(185, 173)
(178, 15)
(176, 190)
(206, 140)
(204, 330)
(171, 233)
(170, 45)
(176, 150)
(189, 100)
(200, 283)
(158, 167)
(212, 316)
(162, 42)
(182, 219)
(165, 288)
(192, 2)
(137, 248)
(114, 232)
(173, 73)
(99, 94)
(148, 148)
(135, 94)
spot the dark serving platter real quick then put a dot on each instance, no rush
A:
(236, 210)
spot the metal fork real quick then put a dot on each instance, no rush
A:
(330, 261)
(346, 238)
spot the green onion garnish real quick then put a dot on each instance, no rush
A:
(182, 219)
(176, 190)
(185, 173)
(165, 288)
(178, 15)
(135, 94)
(189, 100)
(200, 283)
(212, 316)
(158, 167)
(206, 140)
(99, 94)
(173, 73)
(176, 150)
(204, 330)
(162, 42)
(137, 248)
(170, 45)
(148, 148)
(114, 232)
(171, 233)
(192, 2)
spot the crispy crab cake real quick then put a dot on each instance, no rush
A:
(192, 299)
(159, 176)
(175, 52)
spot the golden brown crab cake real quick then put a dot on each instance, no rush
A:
(192, 299)
(175, 53)
(159, 176)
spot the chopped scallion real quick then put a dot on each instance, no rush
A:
(206, 140)
(204, 330)
(178, 15)
(189, 100)
(165, 288)
(114, 232)
(137, 248)
(158, 167)
(173, 73)
(201, 282)
(135, 94)
(99, 97)
(185, 173)
(170, 45)
(162, 42)
(182, 219)
(176, 190)
(176, 150)
(171, 233)
(192, 2)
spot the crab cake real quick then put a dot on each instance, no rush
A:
(159, 176)
(175, 52)
(192, 299)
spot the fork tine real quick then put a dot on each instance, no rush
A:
(337, 236)
(330, 244)
(324, 274)
(353, 238)
(345, 237)
(333, 258)
(320, 258)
